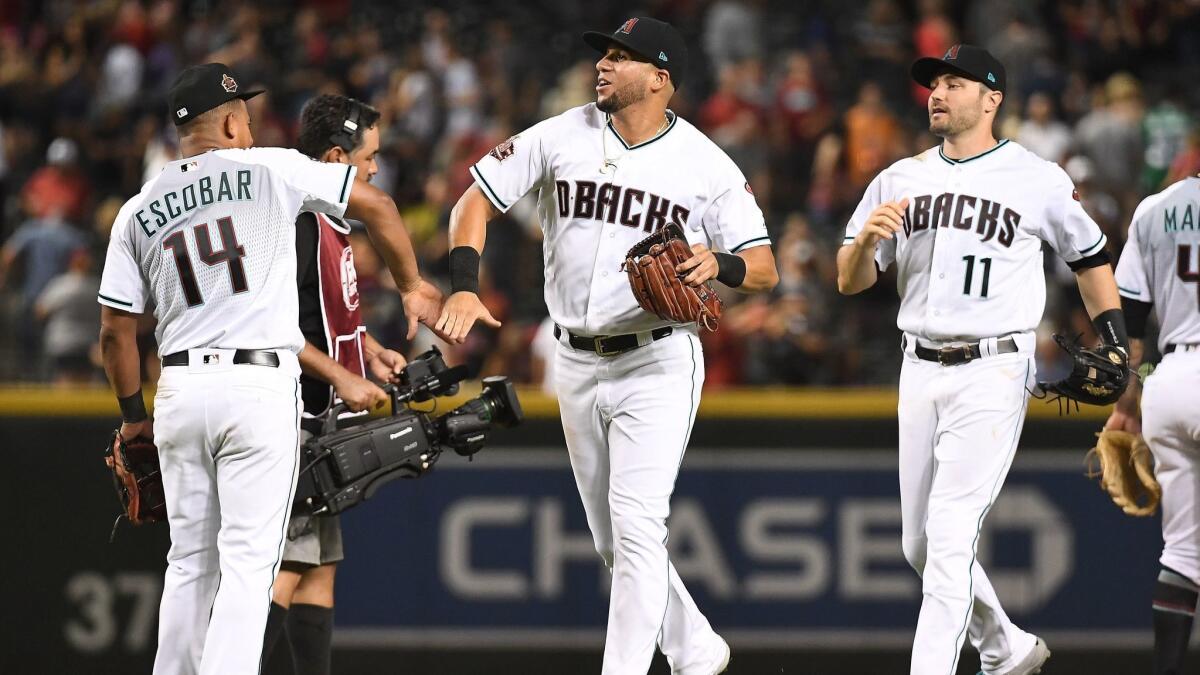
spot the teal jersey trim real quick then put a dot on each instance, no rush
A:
(951, 160)
(670, 126)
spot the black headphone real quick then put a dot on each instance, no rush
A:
(344, 137)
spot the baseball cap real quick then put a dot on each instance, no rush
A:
(656, 41)
(199, 89)
(966, 60)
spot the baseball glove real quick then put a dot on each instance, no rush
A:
(1098, 376)
(1125, 472)
(136, 478)
(659, 290)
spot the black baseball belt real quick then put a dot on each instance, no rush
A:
(608, 345)
(957, 355)
(1172, 348)
(253, 357)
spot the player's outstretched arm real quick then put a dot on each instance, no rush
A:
(856, 260)
(358, 393)
(377, 210)
(123, 366)
(468, 231)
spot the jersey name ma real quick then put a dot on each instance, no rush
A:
(1172, 222)
(175, 204)
(962, 212)
(614, 203)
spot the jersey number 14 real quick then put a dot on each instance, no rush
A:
(231, 254)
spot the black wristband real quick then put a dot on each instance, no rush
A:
(464, 269)
(1136, 314)
(731, 269)
(133, 408)
(1110, 326)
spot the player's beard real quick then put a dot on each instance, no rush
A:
(622, 98)
(956, 122)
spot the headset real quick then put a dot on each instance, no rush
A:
(344, 137)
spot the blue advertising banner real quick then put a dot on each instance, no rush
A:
(779, 549)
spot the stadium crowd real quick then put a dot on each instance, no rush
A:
(810, 99)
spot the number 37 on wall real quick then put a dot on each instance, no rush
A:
(96, 625)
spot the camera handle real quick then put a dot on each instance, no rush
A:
(396, 396)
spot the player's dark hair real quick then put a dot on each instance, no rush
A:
(331, 120)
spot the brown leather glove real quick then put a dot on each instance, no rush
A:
(659, 290)
(136, 478)
(1126, 471)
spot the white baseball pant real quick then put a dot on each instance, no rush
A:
(959, 427)
(627, 420)
(228, 443)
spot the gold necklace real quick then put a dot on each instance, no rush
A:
(610, 164)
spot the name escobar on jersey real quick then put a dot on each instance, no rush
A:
(192, 197)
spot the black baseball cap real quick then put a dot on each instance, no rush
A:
(969, 61)
(199, 89)
(656, 41)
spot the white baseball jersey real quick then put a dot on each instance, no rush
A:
(598, 196)
(1161, 261)
(211, 243)
(969, 258)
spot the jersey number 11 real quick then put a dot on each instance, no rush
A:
(231, 253)
(986, 264)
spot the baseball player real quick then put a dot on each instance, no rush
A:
(606, 174)
(209, 243)
(337, 354)
(1160, 269)
(964, 224)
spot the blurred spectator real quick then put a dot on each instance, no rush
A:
(1165, 129)
(69, 310)
(873, 137)
(59, 189)
(1041, 132)
(43, 248)
(1111, 136)
(733, 31)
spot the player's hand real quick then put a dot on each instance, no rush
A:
(131, 430)
(461, 312)
(884, 222)
(386, 365)
(699, 268)
(359, 393)
(422, 304)
(1125, 415)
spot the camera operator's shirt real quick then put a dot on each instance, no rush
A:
(330, 318)
(210, 243)
(597, 197)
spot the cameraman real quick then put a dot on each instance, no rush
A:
(336, 358)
